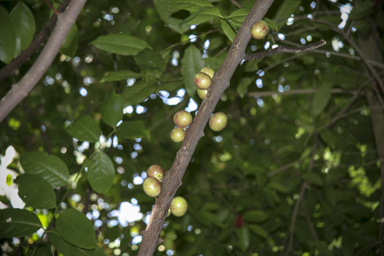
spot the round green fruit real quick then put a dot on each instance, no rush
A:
(169, 212)
(202, 93)
(179, 206)
(218, 121)
(155, 171)
(208, 71)
(202, 81)
(152, 187)
(182, 118)
(259, 30)
(177, 134)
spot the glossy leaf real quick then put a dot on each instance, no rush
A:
(132, 130)
(362, 9)
(84, 128)
(119, 75)
(313, 178)
(166, 8)
(18, 223)
(35, 191)
(69, 47)
(112, 108)
(191, 64)
(42, 250)
(66, 248)
(228, 30)
(191, 6)
(322, 97)
(101, 172)
(121, 44)
(204, 14)
(138, 92)
(328, 137)
(243, 237)
(255, 216)
(239, 15)
(49, 167)
(258, 230)
(243, 85)
(7, 36)
(286, 8)
(150, 60)
(76, 229)
(24, 25)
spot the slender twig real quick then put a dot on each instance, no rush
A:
(285, 167)
(301, 197)
(309, 222)
(21, 89)
(52, 8)
(301, 91)
(237, 4)
(24, 55)
(283, 49)
(87, 198)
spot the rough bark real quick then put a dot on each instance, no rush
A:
(173, 177)
(21, 89)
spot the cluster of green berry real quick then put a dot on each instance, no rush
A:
(152, 187)
(183, 119)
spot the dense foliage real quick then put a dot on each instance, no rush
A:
(296, 171)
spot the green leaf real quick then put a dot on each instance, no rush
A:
(363, 25)
(121, 44)
(322, 97)
(239, 15)
(132, 130)
(76, 229)
(101, 172)
(243, 85)
(35, 191)
(204, 14)
(44, 249)
(171, 86)
(286, 8)
(7, 37)
(148, 59)
(251, 66)
(135, 94)
(313, 178)
(328, 137)
(165, 9)
(228, 30)
(362, 9)
(69, 47)
(323, 249)
(24, 24)
(255, 216)
(119, 75)
(278, 187)
(112, 108)
(271, 24)
(66, 248)
(258, 230)
(84, 128)
(18, 222)
(191, 6)
(212, 219)
(243, 238)
(191, 64)
(49, 167)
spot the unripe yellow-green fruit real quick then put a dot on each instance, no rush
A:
(202, 93)
(218, 121)
(177, 134)
(179, 206)
(259, 29)
(182, 118)
(208, 71)
(202, 81)
(152, 187)
(155, 171)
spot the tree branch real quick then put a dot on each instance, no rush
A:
(21, 89)
(24, 55)
(283, 49)
(220, 82)
(297, 205)
(301, 91)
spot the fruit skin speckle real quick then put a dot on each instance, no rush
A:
(177, 134)
(218, 121)
(202, 81)
(182, 118)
